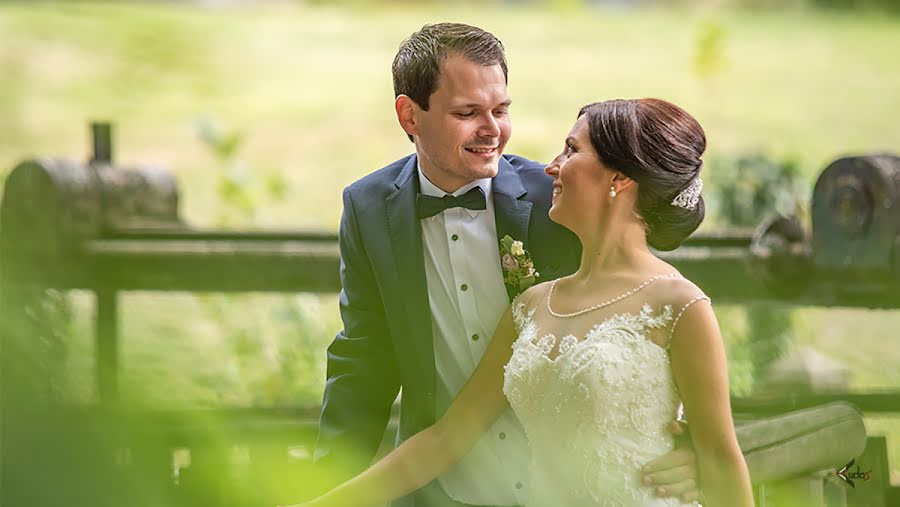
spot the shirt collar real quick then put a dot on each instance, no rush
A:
(426, 187)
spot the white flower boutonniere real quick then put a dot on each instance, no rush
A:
(518, 269)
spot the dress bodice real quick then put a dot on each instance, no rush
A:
(594, 405)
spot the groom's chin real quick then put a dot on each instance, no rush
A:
(487, 170)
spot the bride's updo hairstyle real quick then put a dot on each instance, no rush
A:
(658, 145)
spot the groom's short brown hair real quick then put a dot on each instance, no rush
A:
(417, 66)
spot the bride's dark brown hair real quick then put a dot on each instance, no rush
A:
(658, 145)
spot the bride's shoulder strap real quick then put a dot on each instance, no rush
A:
(687, 294)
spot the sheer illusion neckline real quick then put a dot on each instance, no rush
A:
(604, 304)
(636, 322)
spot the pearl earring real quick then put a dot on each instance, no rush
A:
(612, 191)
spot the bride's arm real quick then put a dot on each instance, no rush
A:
(433, 450)
(701, 372)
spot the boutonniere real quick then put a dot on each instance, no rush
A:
(518, 269)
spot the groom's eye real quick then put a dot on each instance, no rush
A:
(467, 114)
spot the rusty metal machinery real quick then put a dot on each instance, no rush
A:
(856, 215)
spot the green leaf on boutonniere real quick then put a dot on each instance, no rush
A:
(518, 268)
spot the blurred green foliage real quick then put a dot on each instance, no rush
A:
(270, 369)
(709, 55)
(750, 187)
(242, 190)
(885, 5)
(747, 189)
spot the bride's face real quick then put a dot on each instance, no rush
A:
(580, 181)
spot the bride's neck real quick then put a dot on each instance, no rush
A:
(618, 248)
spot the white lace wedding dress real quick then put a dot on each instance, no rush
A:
(595, 393)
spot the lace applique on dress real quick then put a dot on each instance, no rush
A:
(596, 412)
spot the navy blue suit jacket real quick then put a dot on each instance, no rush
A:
(386, 342)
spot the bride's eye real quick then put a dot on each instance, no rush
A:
(569, 149)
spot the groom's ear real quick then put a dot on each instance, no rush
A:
(405, 108)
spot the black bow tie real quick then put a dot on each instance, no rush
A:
(428, 206)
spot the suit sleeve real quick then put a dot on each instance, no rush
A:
(363, 379)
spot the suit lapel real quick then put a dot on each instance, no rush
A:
(511, 213)
(406, 240)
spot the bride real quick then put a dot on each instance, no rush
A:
(597, 363)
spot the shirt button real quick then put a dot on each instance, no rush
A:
(464, 287)
(502, 436)
(454, 237)
(519, 485)
(475, 337)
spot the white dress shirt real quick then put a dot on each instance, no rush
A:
(467, 298)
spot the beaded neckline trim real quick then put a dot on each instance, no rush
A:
(605, 303)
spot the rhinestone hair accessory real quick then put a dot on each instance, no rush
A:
(690, 196)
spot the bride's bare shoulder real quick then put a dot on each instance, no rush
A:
(678, 291)
(534, 293)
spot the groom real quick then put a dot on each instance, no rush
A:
(422, 283)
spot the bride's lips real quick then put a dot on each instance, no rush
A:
(557, 189)
(486, 152)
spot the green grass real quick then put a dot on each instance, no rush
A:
(308, 88)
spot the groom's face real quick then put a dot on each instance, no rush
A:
(463, 133)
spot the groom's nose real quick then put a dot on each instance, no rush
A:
(489, 127)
